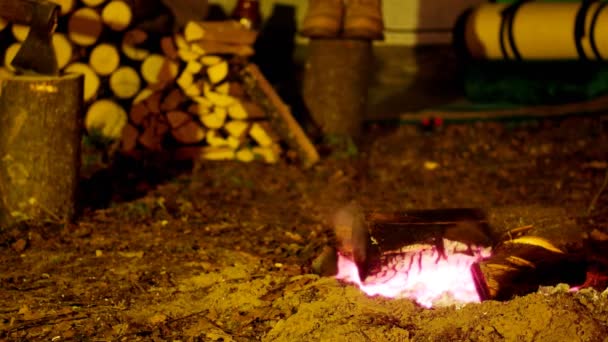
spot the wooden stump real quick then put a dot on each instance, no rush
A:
(40, 134)
(336, 82)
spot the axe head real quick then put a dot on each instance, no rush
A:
(37, 54)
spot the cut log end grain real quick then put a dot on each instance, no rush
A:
(9, 55)
(3, 23)
(125, 82)
(194, 67)
(217, 153)
(93, 3)
(214, 138)
(236, 111)
(130, 45)
(20, 32)
(104, 59)
(143, 95)
(218, 72)
(193, 31)
(66, 5)
(237, 128)
(260, 133)
(63, 49)
(85, 26)
(107, 118)
(188, 55)
(220, 100)
(211, 60)
(159, 70)
(91, 80)
(222, 88)
(117, 15)
(215, 119)
(245, 155)
(269, 154)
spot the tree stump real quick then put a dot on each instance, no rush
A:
(336, 82)
(40, 136)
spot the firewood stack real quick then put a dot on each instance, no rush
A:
(194, 102)
(180, 93)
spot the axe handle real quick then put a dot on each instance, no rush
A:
(26, 12)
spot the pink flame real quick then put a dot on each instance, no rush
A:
(423, 273)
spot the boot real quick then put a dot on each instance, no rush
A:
(363, 19)
(323, 19)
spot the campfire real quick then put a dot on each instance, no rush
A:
(446, 256)
(423, 273)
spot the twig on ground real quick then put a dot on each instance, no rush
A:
(598, 194)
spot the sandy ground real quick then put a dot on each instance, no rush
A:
(224, 253)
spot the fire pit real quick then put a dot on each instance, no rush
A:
(442, 257)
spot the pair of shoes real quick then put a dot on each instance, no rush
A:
(355, 19)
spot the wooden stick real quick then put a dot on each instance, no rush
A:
(104, 59)
(85, 26)
(131, 41)
(125, 82)
(92, 82)
(280, 116)
(117, 15)
(106, 117)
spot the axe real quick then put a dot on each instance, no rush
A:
(36, 54)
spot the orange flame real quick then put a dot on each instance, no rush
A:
(423, 273)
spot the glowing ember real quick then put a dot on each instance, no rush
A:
(422, 273)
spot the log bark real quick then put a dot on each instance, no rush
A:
(336, 84)
(40, 136)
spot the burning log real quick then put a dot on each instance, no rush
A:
(519, 266)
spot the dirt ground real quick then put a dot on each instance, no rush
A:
(224, 253)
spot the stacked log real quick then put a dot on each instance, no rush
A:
(194, 104)
(154, 90)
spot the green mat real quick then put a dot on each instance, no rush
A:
(532, 83)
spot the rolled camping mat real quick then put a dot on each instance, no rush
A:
(530, 30)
